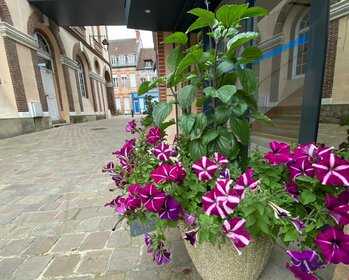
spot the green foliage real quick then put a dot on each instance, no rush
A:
(161, 112)
(176, 38)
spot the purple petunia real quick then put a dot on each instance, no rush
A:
(307, 261)
(179, 173)
(152, 198)
(162, 152)
(311, 152)
(300, 167)
(154, 135)
(332, 170)
(334, 245)
(235, 230)
(171, 209)
(204, 169)
(164, 173)
(297, 223)
(300, 274)
(280, 153)
(109, 167)
(131, 126)
(114, 202)
(161, 256)
(192, 237)
(226, 196)
(148, 242)
(220, 160)
(189, 219)
(339, 207)
(292, 189)
(212, 206)
(245, 181)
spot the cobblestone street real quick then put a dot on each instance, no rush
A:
(52, 221)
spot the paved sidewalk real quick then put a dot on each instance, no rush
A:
(52, 221)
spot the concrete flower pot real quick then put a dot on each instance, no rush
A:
(213, 263)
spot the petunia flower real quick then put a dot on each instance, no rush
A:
(114, 202)
(178, 172)
(235, 230)
(121, 208)
(307, 261)
(220, 160)
(154, 135)
(174, 151)
(300, 274)
(134, 190)
(148, 242)
(300, 167)
(225, 175)
(226, 196)
(332, 170)
(278, 211)
(334, 245)
(119, 180)
(297, 223)
(164, 173)
(162, 152)
(339, 207)
(212, 206)
(292, 189)
(192, 237)
(280, 153)
(189, 219)
(311, 151)
(171, 209)
(245, 181)
(162, 256)
(152, 198)
(126, 151)
(109, 167)
(204, 169)
(131, 126)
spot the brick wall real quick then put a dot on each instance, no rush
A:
(161, 64)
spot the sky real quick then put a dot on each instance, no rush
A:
(122, 32)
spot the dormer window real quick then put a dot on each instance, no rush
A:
(148, 63)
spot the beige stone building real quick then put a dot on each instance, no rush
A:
(50, 74)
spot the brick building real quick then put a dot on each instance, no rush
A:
(49, 74)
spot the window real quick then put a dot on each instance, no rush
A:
(115, 80)
(131, 59)
(117, 104)
(133, 80)
(81, 78)
(121, 60)
(148, 63)
(142, 80)
(113, 60)
(123, 80)
(43, 45)
(126, 104)
(301, 51)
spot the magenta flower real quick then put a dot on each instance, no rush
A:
(164, 173)
(162, 152)
(332, 170)
(148, 242)
(311, 152)
(131, 126)
(192, 236)
(297, 223)
(300, 274)
(109, 167)
(171, 209)
(126, 151)
(245, 181)
(134, 190)
(114, 202)
(121, 208)
(280, 153)
(119, 180)
(225, 174)
(226, 196)
(292, 189)
(307, 261)
(334, 245)
(152, 198)
(220, 160)
(178, 172)
(339, 208)
(204, 169)
(278, 211)
(235, 230)
(161, 256)
(189, 219)
(174, 151)
(300, 167)
(154, 135)
(212, 206)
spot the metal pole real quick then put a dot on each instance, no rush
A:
(314, 76)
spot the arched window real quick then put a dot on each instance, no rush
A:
(43, 45)
(301, 51)
(44, 52)
(81, 78)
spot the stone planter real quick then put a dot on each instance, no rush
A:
(213, 263)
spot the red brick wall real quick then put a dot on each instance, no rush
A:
(161, 60)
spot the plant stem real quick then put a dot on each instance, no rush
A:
(175, 95)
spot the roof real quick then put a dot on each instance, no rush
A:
(145, 54)
(123, 46)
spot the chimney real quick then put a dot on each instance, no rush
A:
(138, 36)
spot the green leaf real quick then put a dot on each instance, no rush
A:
(240, 39)
(230, 14)
(248, 79)
(222, 114)
(235, 148)
(241, 129)
(161, 112)
(261, 117)
(255, 12)
(206, 15)
(230, 79)
(176, 38)
(224, 93)
(144, 88)
(198, 24)
(307, 197)
(250, 54)
(224, 67)
(174, 58)
(201, 101)
(224, 143)
(209, 136)
(291, 235)
(239, 108)
(187, 96)
(200, 125)
(197, 149)
(189, 60)
(165, 125)
(186, 123)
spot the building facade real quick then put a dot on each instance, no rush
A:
(49, 74)
(131, 65)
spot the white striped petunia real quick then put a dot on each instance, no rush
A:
(204, 169)
(226, 196)
(235, 230)
(162, 152)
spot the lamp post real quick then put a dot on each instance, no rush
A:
(104, 42)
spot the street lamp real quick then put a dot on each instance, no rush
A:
(104, 42)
